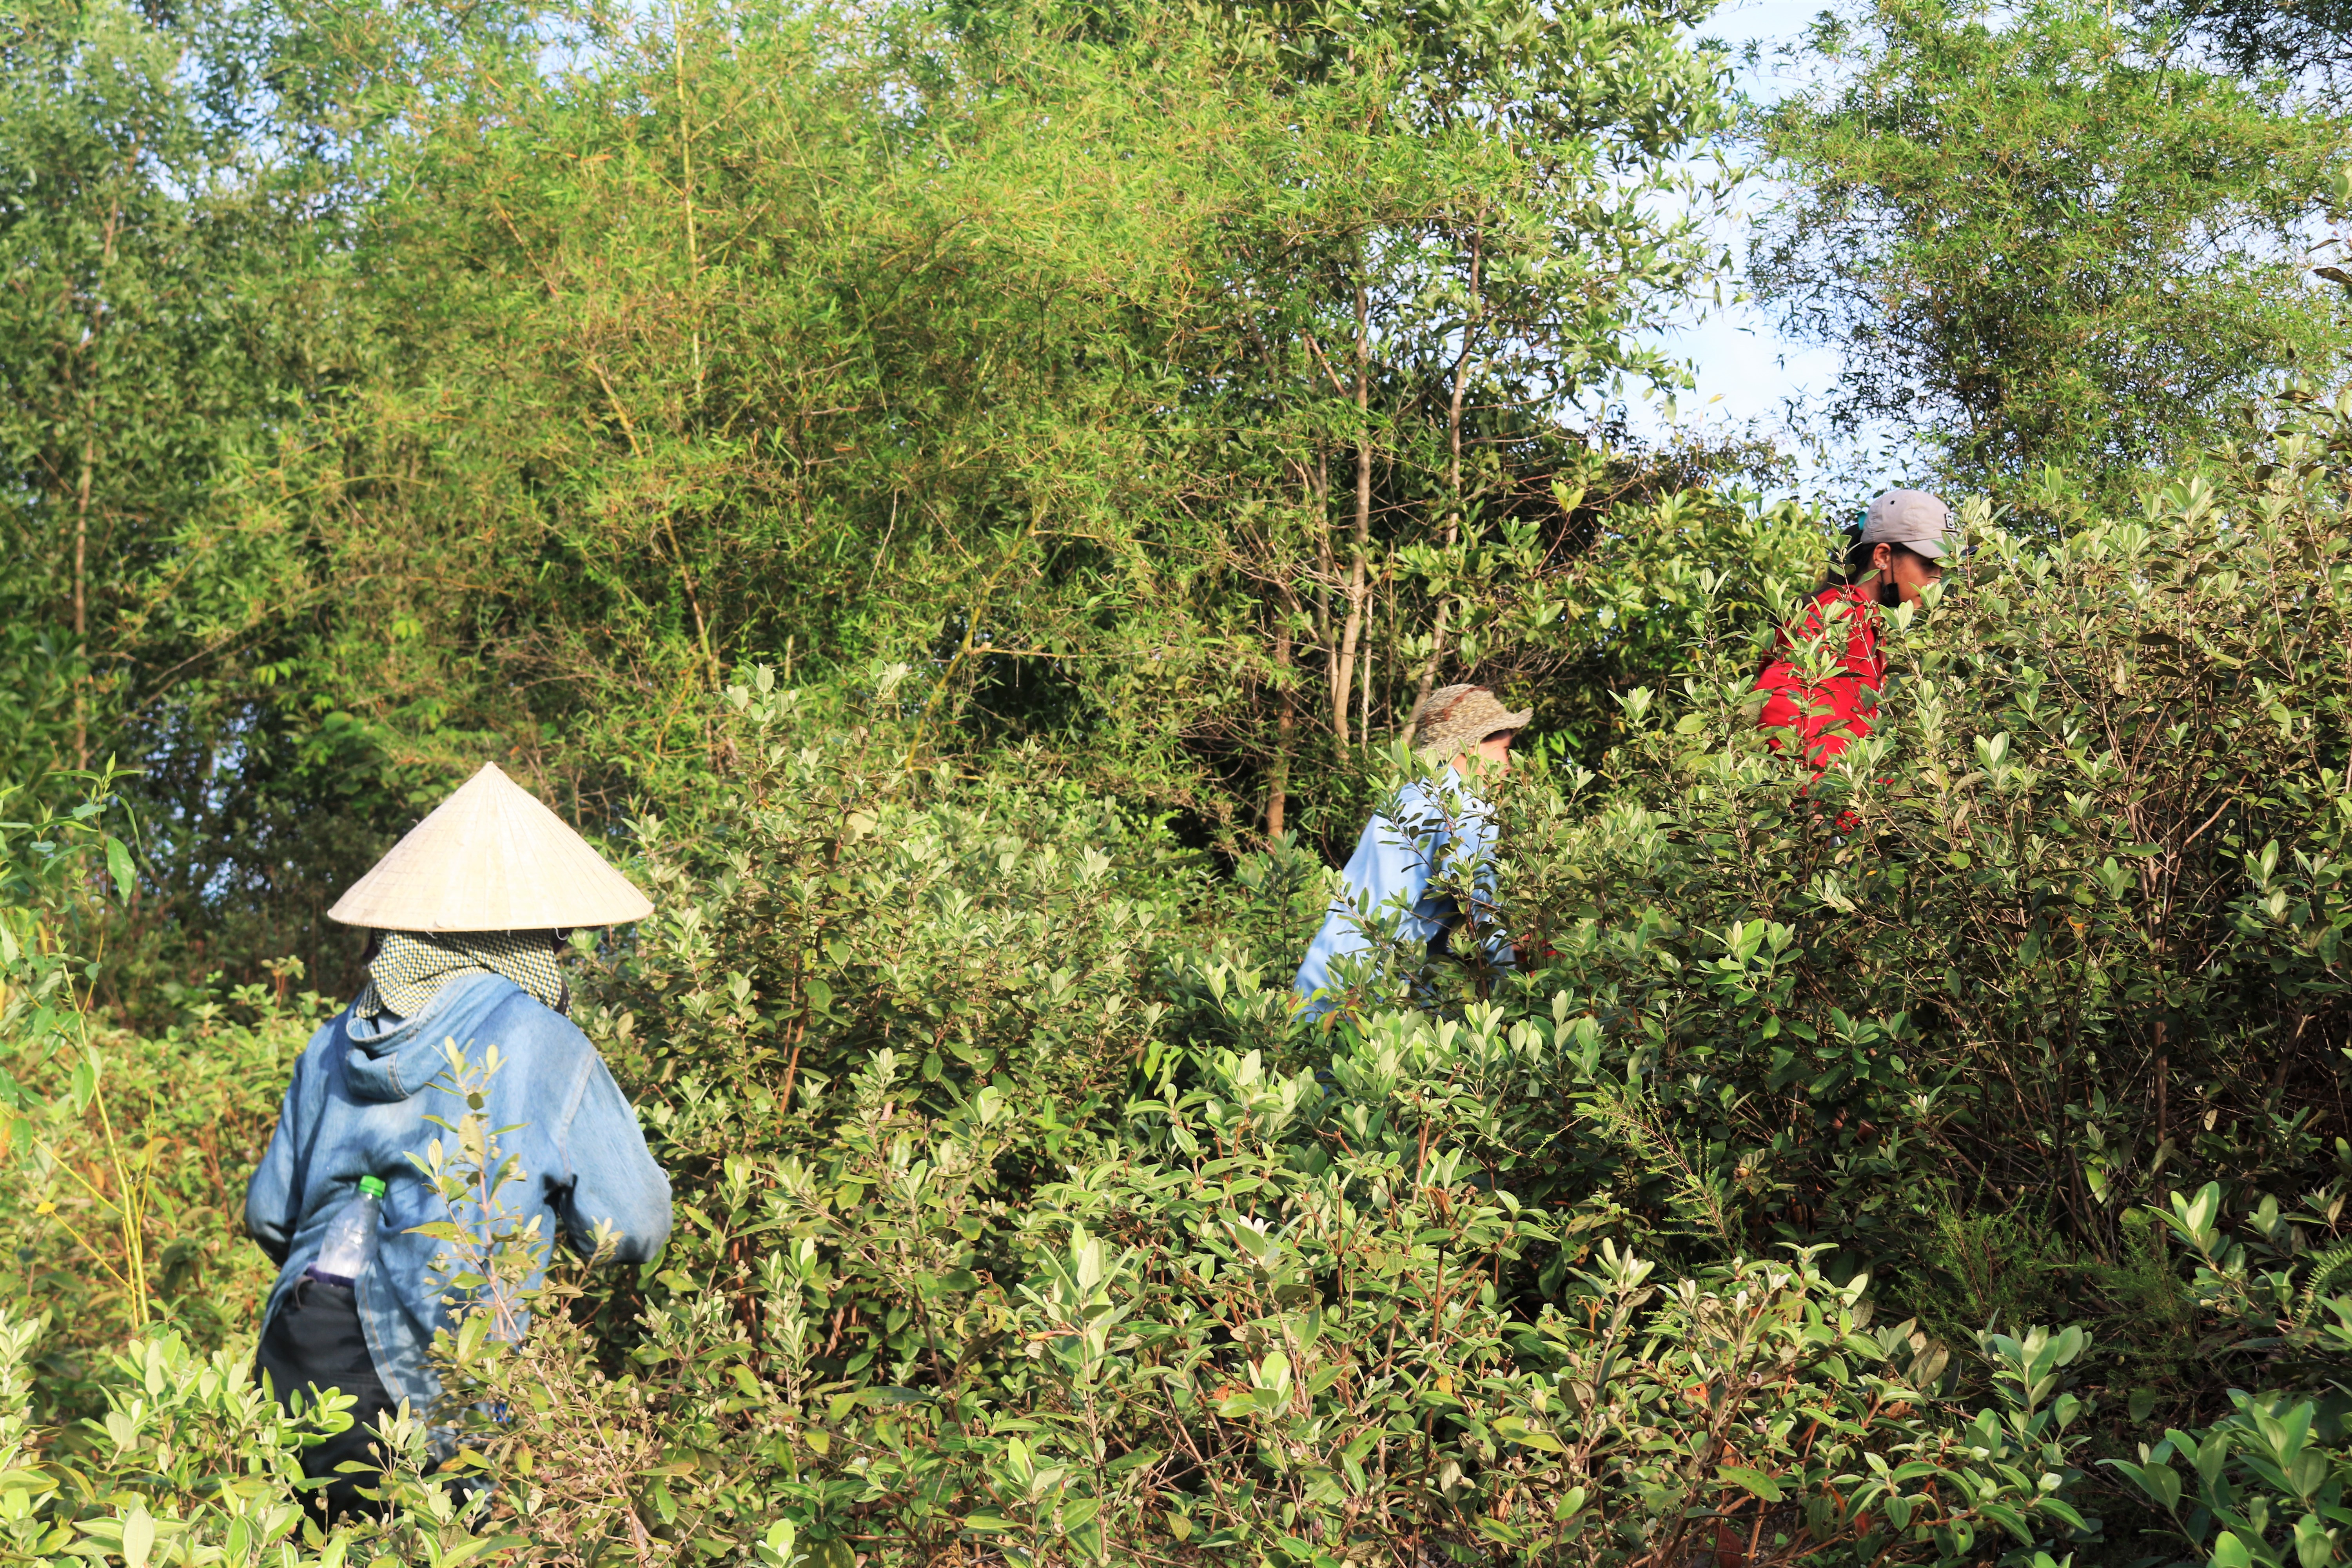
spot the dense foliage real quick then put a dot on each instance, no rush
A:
(1020, 1217)
(960, 502)
(1183, 389)
(2066, 929)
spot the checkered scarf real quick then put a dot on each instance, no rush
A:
(410, 966)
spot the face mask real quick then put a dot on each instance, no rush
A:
(1889, 595)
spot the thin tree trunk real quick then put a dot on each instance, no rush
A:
(81, 596)
(1453, 488)
(1325, 572)
(2163, 1063)
(1286, 723)
(1343, 679)
(90, 339)
(686, 153)
(1428, 671)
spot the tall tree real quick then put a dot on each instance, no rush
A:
(1111, 357)
(182, 332)
(1181, 390)
(2038, 240)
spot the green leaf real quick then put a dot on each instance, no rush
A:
(2009, 1519)
(1756, 1481)
(138, 1538)
(2058, 1508)
(117, 866)
(465, 1551)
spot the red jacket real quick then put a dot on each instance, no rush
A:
(1840, 707)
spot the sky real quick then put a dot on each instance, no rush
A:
(1748, 372)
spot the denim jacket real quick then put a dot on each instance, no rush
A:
(362, 1089)
(1436, 829)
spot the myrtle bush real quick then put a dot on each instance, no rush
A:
(1745, 1215)
(2059, 943)
(2064, 934)
(1268, 1322)
(191, 1464)
(2265, 1483)
(1024, 1219)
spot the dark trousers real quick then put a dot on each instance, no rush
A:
(315, 1342)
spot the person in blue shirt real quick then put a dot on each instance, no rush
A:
(1437, 830)
(469, 910)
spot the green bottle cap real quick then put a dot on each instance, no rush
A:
(373, 1187)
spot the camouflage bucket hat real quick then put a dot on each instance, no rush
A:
(1453, 719)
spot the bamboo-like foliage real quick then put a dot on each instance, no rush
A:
(2052, 236)
(1182, 389)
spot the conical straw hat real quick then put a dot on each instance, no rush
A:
(490, 857)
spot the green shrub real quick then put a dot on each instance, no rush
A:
(2064, 932)
(127, 1153)
(976, 927)
(1021, 1218)
(1263, 1325)
(2266, 1481)
(189, 1463)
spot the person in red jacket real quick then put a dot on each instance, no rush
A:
(1899, 552)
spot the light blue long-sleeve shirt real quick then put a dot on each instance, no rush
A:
(1439, 830)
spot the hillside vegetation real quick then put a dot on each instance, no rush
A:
(1948, 1184)
(958, 502)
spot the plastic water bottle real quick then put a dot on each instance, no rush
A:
(350, 1245)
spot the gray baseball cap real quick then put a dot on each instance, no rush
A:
(1912, 519)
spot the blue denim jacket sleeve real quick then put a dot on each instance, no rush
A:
(271, 1205)
(615, 1180)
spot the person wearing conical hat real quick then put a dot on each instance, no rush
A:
(469, 910)
(1438, 831)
